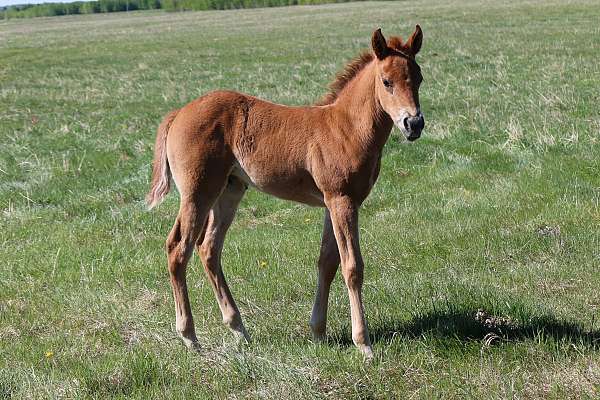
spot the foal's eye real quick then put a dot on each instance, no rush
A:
(387, 83)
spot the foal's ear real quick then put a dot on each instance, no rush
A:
(415, 40)
(379, 44)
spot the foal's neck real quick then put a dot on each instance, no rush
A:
(359, 104)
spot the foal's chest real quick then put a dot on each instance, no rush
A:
(351, 177)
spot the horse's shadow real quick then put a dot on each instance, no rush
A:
(475, 325)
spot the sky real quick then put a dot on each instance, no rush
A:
(11, 2)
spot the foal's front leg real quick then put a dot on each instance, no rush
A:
(344, 218)
(329, 259)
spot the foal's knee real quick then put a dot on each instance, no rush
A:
(173, 254)
(208, 256)
(353, 275)
(178, 251)
(174, 238)
(329, 256)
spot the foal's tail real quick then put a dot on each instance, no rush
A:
(161, 174)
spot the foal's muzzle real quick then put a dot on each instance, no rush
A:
(413, 126)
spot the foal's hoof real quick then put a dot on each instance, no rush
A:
(319, 337)
(366, 351)
(241, 336)
(318, 332)
(191, 344)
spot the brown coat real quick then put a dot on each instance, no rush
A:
(326, 155)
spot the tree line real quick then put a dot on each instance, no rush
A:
(105, 6)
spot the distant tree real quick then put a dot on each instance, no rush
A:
(106, 6)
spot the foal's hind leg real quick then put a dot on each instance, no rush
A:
(180, 245)
(219, 219)
(329, 259)
(197, 197)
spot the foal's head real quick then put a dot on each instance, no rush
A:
(398, 79)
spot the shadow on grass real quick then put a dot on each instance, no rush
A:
(476, 325)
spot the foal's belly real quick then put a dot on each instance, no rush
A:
(296, 186)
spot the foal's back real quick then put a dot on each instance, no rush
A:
(264, 144)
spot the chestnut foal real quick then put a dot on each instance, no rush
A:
(324, 155)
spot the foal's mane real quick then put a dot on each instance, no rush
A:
(353, 68)
(344, 76)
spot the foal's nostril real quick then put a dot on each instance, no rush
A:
(405, 122)
(416, 123)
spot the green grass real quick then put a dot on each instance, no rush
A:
(495, 209)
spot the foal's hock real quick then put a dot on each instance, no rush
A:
(326, 155)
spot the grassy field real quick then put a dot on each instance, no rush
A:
(481, 240)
